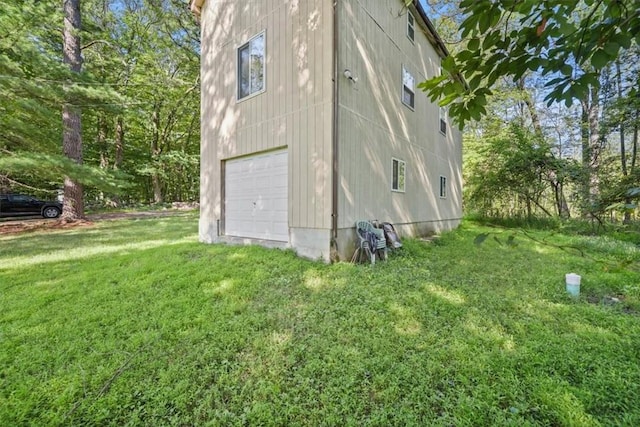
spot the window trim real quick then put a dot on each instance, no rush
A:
(411, 27)
(402, 166)
(443, 187)
(443, 120)
(262, 34)
(412, 90)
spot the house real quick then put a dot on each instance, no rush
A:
(312, 119)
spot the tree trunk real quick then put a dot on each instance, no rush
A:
(590, 136)
(621, 123)
(623, 148)
(155, 152)
(102, 141)
(634, 152)
(634, 147)
(71, 115)
(561, 201)
(119, 154)
(595, 143)
(562, 207)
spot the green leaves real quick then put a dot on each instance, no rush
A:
(600, 59)
(473, 44)
(140, 61)
(53, 168)
(554, 37)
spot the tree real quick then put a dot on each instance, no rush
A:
(621, 107)
(135, 83)
(71, 114)
(149, 52)
(570, 41)
(30, 107)
(34, 86)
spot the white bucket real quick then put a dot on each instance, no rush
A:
(573, 284)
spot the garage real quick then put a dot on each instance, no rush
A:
(256, 197)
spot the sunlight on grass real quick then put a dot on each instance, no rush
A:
(406, 323)
(315, 282)
(86, 252)
(445, 294)
(281, 338)
(489, 332)
(48, 284)
(585, 329)
(136, 323)
(569, 409)
(218, 288)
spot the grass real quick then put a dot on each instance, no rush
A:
(133, 322)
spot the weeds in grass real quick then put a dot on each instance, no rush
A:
(135, 323)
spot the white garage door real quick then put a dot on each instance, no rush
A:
(256, 197)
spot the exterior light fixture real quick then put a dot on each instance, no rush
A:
(349, 75)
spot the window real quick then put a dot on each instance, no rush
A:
(443, 187)
(21, 198)
(443, 120)
(251, 63)
(411, 23)
(408, 91)
(398, 175)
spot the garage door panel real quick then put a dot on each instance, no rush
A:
(256, 197)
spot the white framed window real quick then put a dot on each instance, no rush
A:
(408, 88)
(443, 187)
(443, 120)
(411, 26)
(251, 67)
(398, 174)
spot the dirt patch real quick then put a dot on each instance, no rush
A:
(25, 225)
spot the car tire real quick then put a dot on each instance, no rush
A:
(50, 212)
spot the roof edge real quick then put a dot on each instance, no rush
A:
(433, 35)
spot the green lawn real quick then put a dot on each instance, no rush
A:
(133, 322)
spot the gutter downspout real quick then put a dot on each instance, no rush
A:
(334, 136)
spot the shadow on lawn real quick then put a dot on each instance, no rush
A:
(260, 335)
(103, 237)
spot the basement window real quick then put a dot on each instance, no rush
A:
(251, 67)
(408, 88)
(398, 175)
(411, 26)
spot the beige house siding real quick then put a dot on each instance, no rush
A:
(375, 126)
(295, 110)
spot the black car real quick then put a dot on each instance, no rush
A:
(23, 205)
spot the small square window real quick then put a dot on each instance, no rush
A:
(408, 89)
(411, 26)
(443, 120)
(398, 175)
(251, 67)
(443, 187)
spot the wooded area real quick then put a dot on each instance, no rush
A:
(109, 112)
(550, 97)
(101, 103)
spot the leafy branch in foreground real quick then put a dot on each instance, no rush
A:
(571, 41)
(51, 168)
